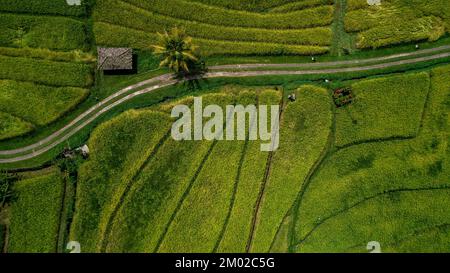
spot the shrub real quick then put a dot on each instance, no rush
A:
(2, 235)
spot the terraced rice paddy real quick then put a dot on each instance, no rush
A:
(215, 29)
(397, 21)
(376, 169)
(35, 214)
(378, 190)
(43, 60)
(230, 197)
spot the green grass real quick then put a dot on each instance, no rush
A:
(11, 126)
(147, 207)
(383, 108)
(35, 214)
(419, 241)
(303, 136)
(116, 82)
(119, 148)
(413, 21)
(154, 194)
(144, 20)
(352, 177)
(38, 104)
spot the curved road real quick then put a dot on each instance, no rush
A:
(121, 96)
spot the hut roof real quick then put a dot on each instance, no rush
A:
(118, 58)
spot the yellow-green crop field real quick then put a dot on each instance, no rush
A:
(374, 168)
(397, 21)
(43, 59)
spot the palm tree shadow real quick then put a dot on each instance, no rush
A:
(193, 79)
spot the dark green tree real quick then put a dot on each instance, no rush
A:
(179, 54)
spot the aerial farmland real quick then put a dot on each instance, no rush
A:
(224, 126)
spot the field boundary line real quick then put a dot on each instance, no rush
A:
(262, 188)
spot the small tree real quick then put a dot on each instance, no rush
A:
(178, 53)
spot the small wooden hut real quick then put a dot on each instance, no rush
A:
(117, 58)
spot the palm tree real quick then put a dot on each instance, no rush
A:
(177, 52)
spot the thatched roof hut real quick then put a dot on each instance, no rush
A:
(119, 58)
